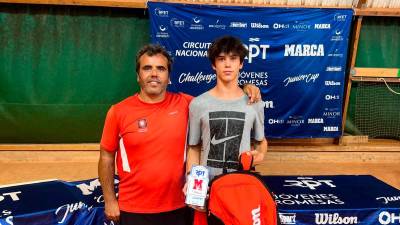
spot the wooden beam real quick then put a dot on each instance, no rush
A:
(142, 3)
(50, 147)
(375, 72)
(102, 3)
(376, 79)
(395, 12)
(353, 54)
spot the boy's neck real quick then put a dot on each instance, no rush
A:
(227, 91)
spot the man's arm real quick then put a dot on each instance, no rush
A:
(260, 149)
(106, 170)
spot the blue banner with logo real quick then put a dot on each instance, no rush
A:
(340, 199)
(301, 200)
(297, 57)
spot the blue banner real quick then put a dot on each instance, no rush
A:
(335, 200)
(297, 57)
(301, 200)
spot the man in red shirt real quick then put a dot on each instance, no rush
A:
(148, 132)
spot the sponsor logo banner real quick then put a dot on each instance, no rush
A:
(297, 57)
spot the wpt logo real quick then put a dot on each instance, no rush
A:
(256, 49)
(287, 218)
(12, 195)
(335, 218)
(160, 12)
(308, 182)
(340, 17)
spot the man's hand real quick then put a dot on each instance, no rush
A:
(258, 157)
(198, 208)
(253, 92)
(111, 210)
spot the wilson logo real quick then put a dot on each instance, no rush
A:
(335, 218)
(255, 213)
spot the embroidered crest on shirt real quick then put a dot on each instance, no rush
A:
(142, 125)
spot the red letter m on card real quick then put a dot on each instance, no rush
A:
(198, 184)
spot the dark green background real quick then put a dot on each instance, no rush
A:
(61, 68)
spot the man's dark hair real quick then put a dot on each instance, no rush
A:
(226, 44)
(151, 50)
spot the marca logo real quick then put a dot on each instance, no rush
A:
(328, 218)
(304, 50)
(259, 26)
(177, 23)
(389, 218)
(320, 26)
(315, 120)
(238, 25)
(332, 97)
(255, 214)
(280, 26)
(12, 195)
(255, 50)
(308, 182)
(332, 83)
(339, 17)
(276, 121)
(160, 12)
(287, 218)
(331, 129)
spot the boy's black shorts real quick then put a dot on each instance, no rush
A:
(181, 216)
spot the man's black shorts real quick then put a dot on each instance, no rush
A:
(181, 216)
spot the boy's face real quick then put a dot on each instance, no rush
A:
(227, 66)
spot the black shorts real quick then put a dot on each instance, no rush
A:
(183, 216)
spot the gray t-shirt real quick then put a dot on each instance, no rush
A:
(225, 129)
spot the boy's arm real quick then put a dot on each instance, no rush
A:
(193, 157)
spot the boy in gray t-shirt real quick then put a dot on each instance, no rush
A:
(222, 124)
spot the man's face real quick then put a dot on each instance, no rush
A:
(227, 66)
(153, 74)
